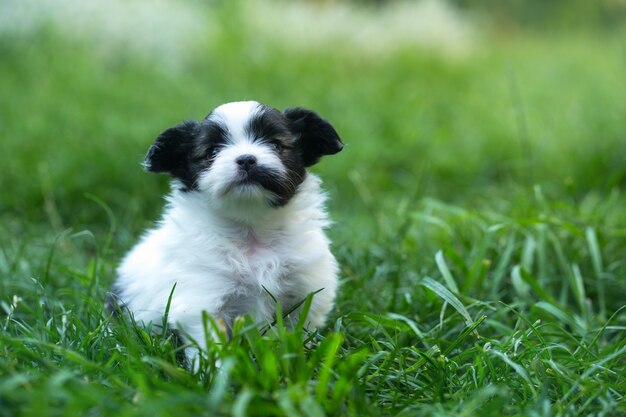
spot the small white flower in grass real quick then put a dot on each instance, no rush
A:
(16, 300)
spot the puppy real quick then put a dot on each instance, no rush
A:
(243, 225)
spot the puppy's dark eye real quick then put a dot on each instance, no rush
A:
(213, 152)
(277, 146)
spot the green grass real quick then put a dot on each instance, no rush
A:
(480, 228)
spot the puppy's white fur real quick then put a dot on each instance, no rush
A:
(225, 247)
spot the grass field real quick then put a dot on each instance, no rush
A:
(480, 226)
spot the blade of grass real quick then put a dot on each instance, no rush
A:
(448, 297)
(596, 259)
(518, 370)
(445, 272)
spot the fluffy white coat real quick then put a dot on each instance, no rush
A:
(224, 267)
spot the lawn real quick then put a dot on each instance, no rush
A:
(479, 211)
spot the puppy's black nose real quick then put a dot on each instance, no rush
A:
(246, 161)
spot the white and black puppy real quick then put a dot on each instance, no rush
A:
(244, 220)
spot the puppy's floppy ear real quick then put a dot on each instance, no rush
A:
(316, 137)
(169, 152)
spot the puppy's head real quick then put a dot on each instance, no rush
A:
(244, 152)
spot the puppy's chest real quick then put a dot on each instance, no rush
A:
(254, 262)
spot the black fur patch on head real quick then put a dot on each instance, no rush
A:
(271, 127)
(316, 137)
(184, 151)
(212, 136)
(171, 148)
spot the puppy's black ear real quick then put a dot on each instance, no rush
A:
(316, 136)
(169, 152)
